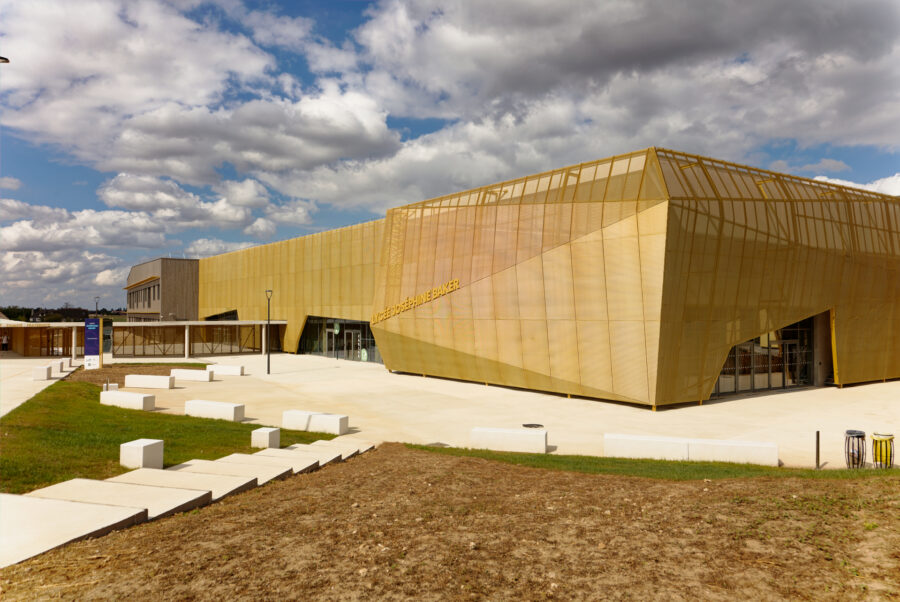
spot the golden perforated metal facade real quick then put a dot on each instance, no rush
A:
(628, 278)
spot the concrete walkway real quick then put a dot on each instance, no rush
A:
(16, 385)
(396, 407)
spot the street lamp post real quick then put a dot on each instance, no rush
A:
(96, 305)
(268, 331)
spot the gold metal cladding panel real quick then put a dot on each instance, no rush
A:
(556, 280)
(325, 274)
(750, 251)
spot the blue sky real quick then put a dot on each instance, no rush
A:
(131, 130)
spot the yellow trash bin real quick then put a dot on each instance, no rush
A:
(883, 450)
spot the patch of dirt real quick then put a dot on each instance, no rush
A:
(401, 523)
(115, 373)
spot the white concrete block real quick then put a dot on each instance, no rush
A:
(60, 365)
(645, 446)
(225, 370)
(724, 450)
(532, 441)
(266, 437)
(41, 373)
(110, 386)
(220, 410)
(31, 525)
(319, 422)
(128, 400)
(159, 501)
(142, 453)
(149, 381)
(193, 375)
(219, 485)
(262, 472)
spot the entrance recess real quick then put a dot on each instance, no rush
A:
(782, 359)
(340, 339)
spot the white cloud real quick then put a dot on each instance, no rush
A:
(294, 212)
(11, 210)
(204, 247)
(145, 193)
(826, 165)
(261, 228)
(84, 229)
(52, 278)
(10, 183)
(247, 193)
(112, 277)
(270, 29)
(889, 185)
(79, 69)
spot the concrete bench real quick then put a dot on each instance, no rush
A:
(533, 441)
(319, 422)
(684, 448)
(128, 400)
(225, 370)
(214, 409)
(194, 375)
(265, 437)
(60, 365)
(41, 373)
(149, 381)
(142, 453)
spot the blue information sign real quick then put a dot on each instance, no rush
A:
(93, 336)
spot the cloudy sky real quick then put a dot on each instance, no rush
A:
(133, 130)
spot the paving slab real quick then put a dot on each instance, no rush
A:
(414, 409)
(348, 448)
(341, 453)
(323, 457)
(31, 525)
(219, 485)
(263, 473)
(159, 501)
(297, 464)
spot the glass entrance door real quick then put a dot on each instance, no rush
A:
(776, 360)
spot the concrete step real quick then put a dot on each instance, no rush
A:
(32, 525)
(348, 447)
(323, 454)
(263, 473)
(323, 457)
(159, 501)
(219, 485)
(298, 464)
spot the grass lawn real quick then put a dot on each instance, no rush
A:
(63, 432)
(656, 469)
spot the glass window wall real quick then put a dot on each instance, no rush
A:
(340, 339)
(780, 359)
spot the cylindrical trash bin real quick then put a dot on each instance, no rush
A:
(855, 448)
(883, 450)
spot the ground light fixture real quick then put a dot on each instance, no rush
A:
(268, 331)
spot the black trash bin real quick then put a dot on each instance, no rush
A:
(855, 448)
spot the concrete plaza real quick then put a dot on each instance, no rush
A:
(399, 407)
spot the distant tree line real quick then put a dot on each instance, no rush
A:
(66, 313)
